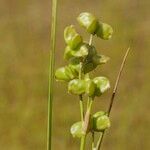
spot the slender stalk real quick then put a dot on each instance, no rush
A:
(91, 39)
(82, 145)
(99, 144)
(80, 96)
(84, 121)
(51, 74)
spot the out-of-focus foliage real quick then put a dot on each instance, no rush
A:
(24, 54)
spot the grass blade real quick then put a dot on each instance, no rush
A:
(51, 73)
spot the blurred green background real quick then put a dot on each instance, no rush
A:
(24, 58)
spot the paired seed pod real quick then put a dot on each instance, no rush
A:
(100, 121)
(80, 51)
(72, 38)
(65, 74)
(93, 26)
(93, 60)
(102, 85)
(88, 21)
(76, 130)
(78, 87)
(95, 87)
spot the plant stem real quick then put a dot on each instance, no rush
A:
(51, 74)
(83, 139)
(91, 39)
(82, 145)
(80, 96)
(99, 144)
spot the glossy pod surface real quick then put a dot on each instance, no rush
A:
(77, 86)
(72, 38)
(102, 85)
(100, 121)
(104, 31)
(90, 87)
(88, 21)
(76, 130)
(64, 74)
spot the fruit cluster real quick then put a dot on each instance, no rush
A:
(83, 58)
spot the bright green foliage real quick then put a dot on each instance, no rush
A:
(100, 121)
(88, 21)
(76, 130)
(72, 38)
(104, 31)
(102, 85)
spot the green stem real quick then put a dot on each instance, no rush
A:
(86, 124)
(80, 96)
(89, 104)
(51, 74)
(82, 143)
(81, 108)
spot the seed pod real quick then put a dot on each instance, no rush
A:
(87, 67)
(77, 86)
(92, 52)
(76, 130)
(75, 60)
(104, 31)
(75, 68)
(100, 121)
(64, 74)
(102, 85)
(69, 53)
(88, 64)
(100, 59)
(69, 72)
(90, 87)
(88, 21)
(82, 51)
(72, 38)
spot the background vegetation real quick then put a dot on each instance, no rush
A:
(24, 54)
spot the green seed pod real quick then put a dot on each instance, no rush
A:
(88, 64)
(104, 31)
(69, 53)
(76, 130)
(77, 86)
(82, 51)
(102, 85)
(75, 68)
(100, 121)
(92, 52)
(88, 67)
(100, 59)
(75, 60)
(90, 87)
(69, 72)
(64, 74)
(88, 21)
(72, 38)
